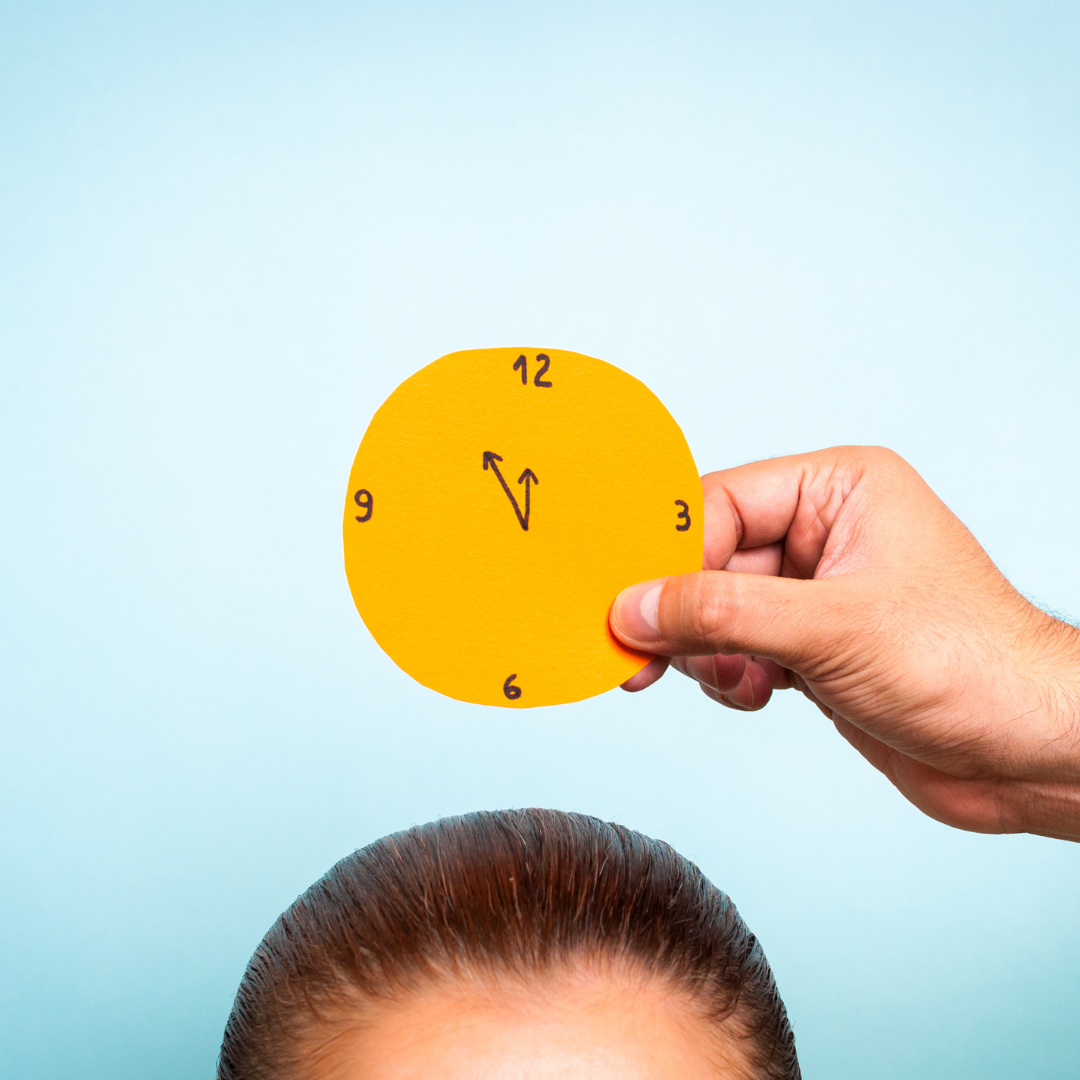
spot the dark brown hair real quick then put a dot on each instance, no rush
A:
(513, 892)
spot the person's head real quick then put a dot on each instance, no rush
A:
(510, 944)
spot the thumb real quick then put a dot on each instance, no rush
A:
(790, 620)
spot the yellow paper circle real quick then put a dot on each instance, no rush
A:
(499, 502)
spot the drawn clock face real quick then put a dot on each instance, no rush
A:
(499, 502)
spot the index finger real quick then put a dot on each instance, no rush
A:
(789, 501)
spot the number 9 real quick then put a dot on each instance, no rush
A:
(366, 503)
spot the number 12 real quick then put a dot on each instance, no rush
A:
(523, 364)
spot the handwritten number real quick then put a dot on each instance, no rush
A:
(511, 691)
(366, 503)
(537, 381)
(522, 364)
(683, 516)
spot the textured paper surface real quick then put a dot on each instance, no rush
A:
(493, 584)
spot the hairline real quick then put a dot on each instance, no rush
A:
(350, 1012)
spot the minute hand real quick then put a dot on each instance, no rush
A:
(527, 476)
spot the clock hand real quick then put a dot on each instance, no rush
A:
(527, 475)
(489, 462)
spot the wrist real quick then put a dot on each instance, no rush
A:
(1051, 775)
(1058, 668)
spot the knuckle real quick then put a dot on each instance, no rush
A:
(702, 613)
(882, 459)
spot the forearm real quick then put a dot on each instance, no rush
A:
(1054, 775)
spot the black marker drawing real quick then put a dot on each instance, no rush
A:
(538, 378)
(522, 365)
(525, 478)
(364, 500)
(511, 691)
(683, 516)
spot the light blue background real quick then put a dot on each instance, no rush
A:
(227, 231)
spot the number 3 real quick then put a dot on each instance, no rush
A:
(683, 516)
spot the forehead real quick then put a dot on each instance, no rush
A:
(574, 1026)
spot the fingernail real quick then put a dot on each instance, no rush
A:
(743, 694)
(723, 673)
(634, 613)
(703, 669)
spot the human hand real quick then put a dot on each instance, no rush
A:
(841, 574)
